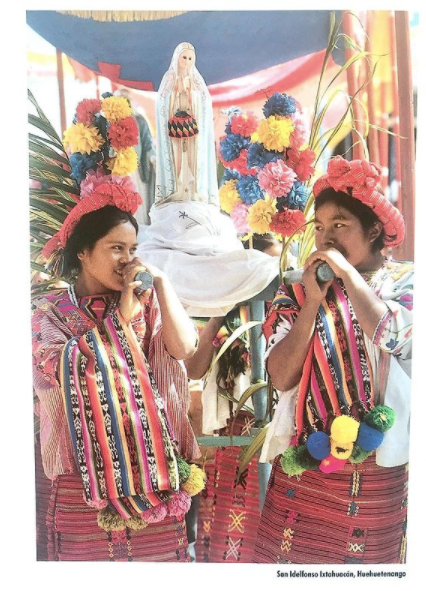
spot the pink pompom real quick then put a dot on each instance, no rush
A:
(179, 504)
(98, 504)
(155, 514)
(331, 464)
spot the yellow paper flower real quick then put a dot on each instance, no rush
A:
(125, 162)
(195, 482)
(115, 108)
(275, 133)
(229, 196)
(82, 138)
(260, 216)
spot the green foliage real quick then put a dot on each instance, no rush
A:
(50, 204)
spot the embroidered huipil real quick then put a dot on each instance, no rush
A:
(56, 321)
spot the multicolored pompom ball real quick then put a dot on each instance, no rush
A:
(341, 451)
(358, 455)
(344, 429)
(318, 445)
(331, 464)
(380, 417)
(369, 438)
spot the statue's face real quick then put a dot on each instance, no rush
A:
(186, 61)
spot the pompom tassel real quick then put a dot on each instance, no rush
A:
(195, 482)
(155, 514)
(380, 417)
(179, 504)
(100, 504)
(184, 469)
(110, 520)
(136, 523)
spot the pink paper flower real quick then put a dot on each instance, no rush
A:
(277, 179)
(239, 217)
(300, 135)
(93, 179)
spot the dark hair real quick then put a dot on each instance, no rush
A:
(365, 214)
(261, 242)
(92, 227)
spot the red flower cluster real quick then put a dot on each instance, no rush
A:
(301, 163)
(287, 222)
(123, 133)
(87, 109)
(244, 123)
(239, 164)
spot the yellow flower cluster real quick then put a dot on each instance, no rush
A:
(115, 108)
(229, 196)
(275, 133)
(260, 216)
(124, 162)
(82, 138)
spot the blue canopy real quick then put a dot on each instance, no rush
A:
(228, 44)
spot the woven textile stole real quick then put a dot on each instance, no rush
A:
(336, 376)
(121, 438)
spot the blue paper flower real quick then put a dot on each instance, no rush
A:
(249, 190)
(230, 175)
(231, 146)
(258, 156)
(279, 104)
(298, 196)
(81, 163)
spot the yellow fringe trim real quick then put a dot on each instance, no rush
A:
(124, 16)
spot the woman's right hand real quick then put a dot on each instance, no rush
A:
(315, 290)
(130, 304)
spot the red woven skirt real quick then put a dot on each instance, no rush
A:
(356, 515)
(73, 532)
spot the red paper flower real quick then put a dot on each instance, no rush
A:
(86, 110)
(123, 133)
(301, 163)
(239, 164)
(244, 123)
(287, 222)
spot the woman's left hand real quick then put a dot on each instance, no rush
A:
(334, 258)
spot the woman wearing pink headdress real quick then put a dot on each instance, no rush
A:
(111, 389)
(339, 353)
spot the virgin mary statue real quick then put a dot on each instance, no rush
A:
(185, 136)
(189, 238)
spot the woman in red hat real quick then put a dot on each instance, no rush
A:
(339, 353)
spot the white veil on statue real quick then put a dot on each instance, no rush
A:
(197, 163)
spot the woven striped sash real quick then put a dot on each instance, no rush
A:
(336, 376)
(120, 433)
